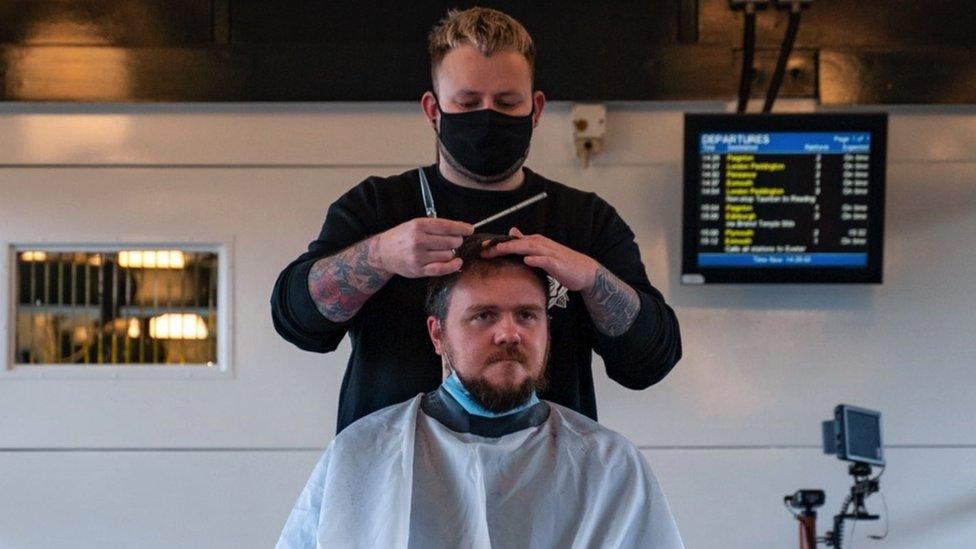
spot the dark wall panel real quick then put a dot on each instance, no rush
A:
(943, 75)
(870, 51)
(585, 50)
(692, 72)
(319, 21)
(850, 23)
(100, 74)
(106, 22)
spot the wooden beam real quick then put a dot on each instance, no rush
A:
(693, 72)
(687, 21)
(886, 24)
(919, 76)
(343, 73)
(122, 23)
(221, 22)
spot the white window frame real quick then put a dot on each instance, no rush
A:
(221, 369)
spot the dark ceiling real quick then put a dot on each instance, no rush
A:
(866, 52)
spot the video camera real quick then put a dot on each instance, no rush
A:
(853, 435)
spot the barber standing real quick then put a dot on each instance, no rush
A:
(366, 272)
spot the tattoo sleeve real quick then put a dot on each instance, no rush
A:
(612, 303)
(340, 284)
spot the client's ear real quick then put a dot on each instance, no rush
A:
(436, 332)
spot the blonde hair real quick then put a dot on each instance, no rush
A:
(486, 29)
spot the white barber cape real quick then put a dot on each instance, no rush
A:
(398, 478)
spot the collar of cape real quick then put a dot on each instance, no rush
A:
(453, 407)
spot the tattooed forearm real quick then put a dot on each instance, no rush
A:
(612, 303)
(341, 283)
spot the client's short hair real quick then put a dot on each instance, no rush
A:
(439, 288)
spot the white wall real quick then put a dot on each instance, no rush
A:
(218, 462)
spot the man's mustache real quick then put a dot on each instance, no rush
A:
(508, 353)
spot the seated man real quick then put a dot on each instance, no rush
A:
(481, 461)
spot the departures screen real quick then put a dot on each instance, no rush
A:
(783, 198)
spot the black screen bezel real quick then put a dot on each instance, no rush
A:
(695, 124)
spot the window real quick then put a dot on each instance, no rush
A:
(126, 308)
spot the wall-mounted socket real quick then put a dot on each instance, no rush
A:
(589, 130)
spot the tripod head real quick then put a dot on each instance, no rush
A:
(863, 487)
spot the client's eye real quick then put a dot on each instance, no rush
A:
(529, 315)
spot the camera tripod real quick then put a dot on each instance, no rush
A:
(809, 500)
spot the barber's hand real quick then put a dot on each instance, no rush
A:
(422, 247)
(570, 268)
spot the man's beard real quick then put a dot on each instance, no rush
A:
(501, 399)
(484, 179)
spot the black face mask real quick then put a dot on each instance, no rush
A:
(486, 143)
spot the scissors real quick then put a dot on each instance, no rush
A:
(425, 194)
(431, 211)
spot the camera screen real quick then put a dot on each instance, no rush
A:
(863, 435)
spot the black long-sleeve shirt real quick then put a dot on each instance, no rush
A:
(392, 357)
